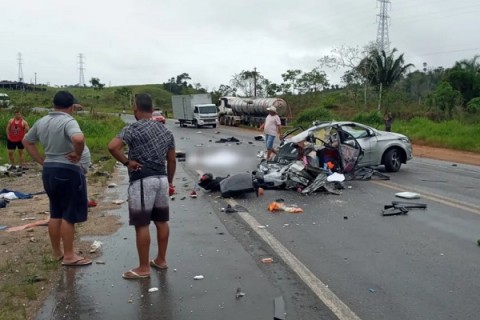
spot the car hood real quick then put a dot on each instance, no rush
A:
(385, 135)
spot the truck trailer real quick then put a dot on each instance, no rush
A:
(195, 109)
(234, 111)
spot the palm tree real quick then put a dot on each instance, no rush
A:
(468, 65)
(383, 71)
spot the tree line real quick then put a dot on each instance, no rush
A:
(367, 71)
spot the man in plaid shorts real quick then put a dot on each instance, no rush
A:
(150, 146)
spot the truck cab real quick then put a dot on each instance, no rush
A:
(205, 114)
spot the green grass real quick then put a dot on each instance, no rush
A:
(416, 120)
(99, 129)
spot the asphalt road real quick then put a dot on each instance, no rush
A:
(423, 265)
(338, 259)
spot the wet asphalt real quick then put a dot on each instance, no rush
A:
(199, 244)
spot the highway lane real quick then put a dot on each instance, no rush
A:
(420, 266)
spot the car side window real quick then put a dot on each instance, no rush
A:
(356, 131)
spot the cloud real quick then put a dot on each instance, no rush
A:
(148, 41)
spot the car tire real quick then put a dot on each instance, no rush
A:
(392, 160)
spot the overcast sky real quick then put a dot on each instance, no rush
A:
(149, 41)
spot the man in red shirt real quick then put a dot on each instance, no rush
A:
(16, 130)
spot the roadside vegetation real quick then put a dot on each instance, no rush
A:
(436, 106)
(99, 129)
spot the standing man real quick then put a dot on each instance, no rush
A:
(388, 121)
(16, 130)
(63, 179)
(271, 127)
(150, 146)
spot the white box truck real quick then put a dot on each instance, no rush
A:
(195, 109)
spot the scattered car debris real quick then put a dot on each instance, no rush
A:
(154, 289)
(199, 277)
(400, 208)
(280, 206)
(118, 201)
(225, 140)
(28, 218)
(180, 156)
(267, 260)
(239, 293)
(112, 185)
(95, 246)
(259, 138)
(407, 195)
(100, 262)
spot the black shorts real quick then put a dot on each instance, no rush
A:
(66, 187)
(14, 145)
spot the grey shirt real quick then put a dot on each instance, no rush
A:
(55, 131)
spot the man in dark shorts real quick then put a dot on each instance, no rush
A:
(150, 146)
(63, 178)
(16, 130)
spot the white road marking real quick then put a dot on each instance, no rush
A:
(340, 309)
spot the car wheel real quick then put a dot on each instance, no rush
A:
(392, 160)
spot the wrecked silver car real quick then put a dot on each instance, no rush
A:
(320, 158)
(379, 147)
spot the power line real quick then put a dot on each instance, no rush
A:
(449, 51)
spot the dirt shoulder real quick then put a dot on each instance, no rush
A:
(27, 269)
(450, 155)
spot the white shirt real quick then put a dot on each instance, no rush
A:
(271, 123)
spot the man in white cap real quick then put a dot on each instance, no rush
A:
(271, 127)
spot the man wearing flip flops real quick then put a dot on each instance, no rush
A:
(150, 146)
(63, 179)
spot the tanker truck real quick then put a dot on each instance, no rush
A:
(233, 111)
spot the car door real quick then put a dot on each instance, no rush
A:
(365, 138)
